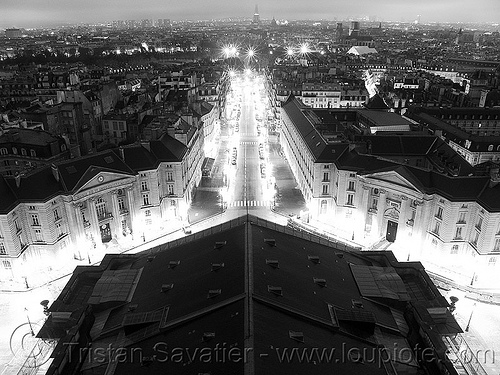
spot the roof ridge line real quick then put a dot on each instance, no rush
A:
(201, 312)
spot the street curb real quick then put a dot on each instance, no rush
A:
(491, 298)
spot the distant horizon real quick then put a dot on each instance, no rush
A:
(361, 20)
(53, 13)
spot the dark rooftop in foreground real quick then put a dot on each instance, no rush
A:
(228, 299)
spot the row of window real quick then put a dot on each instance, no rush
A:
(461, 218)
(4, 151)
(35, 219)
(116, 125)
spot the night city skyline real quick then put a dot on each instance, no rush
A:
(235, 187)
(50, 13)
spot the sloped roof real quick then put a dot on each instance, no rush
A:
(75, 172)
(41, 185)
(168, 148)
(361, 50)
(298, 113)
(207, 294)
(376, 102)
(139, 159)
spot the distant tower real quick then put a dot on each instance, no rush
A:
(354, 29)
(256, 18)
(339, 32)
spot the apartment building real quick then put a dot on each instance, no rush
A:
(412, 191)
(24, 150)
(474, 133)
(72, 208)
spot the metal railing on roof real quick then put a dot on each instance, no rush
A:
(320, 238)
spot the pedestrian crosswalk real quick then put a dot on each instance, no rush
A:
(249, 204)
(248, 142)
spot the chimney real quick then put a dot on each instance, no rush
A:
(55, 171)
(494, 176)
(17, 177)
(122, 153)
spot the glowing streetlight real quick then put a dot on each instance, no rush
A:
(304, 49)
(290, 52)
(250, 53)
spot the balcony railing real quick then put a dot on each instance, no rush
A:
(105, 216)
(123, 211)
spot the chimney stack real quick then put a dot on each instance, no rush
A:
(494, 176)
(55, 171)
(122, 153)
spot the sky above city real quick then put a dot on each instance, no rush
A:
(32, 13)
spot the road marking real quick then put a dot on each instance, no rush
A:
(251, 203)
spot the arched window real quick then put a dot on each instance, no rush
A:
(23, 152)
(3, 151)
(14, 150)
(63, 148)
(100, 207)
(323, 207)
(490, 148)
(33, 153)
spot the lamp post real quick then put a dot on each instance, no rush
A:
(29, 322)
(470, 317)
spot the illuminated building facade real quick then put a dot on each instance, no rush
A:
(413, 193)
(73, 208)
(474, 133)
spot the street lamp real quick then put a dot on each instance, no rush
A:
(29, 322)
(470, 317)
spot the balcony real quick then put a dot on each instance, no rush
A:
(409, 222)
(372, 210)
(123, 211)
(105, 216)
(86, 224)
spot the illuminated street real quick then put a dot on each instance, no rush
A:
(248, 181)
(252, 176)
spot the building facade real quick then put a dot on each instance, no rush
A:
(413, 193)
(73, 209)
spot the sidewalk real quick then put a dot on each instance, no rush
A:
(289, 200)
(45, 277)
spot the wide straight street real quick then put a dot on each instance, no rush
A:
(247, 187)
